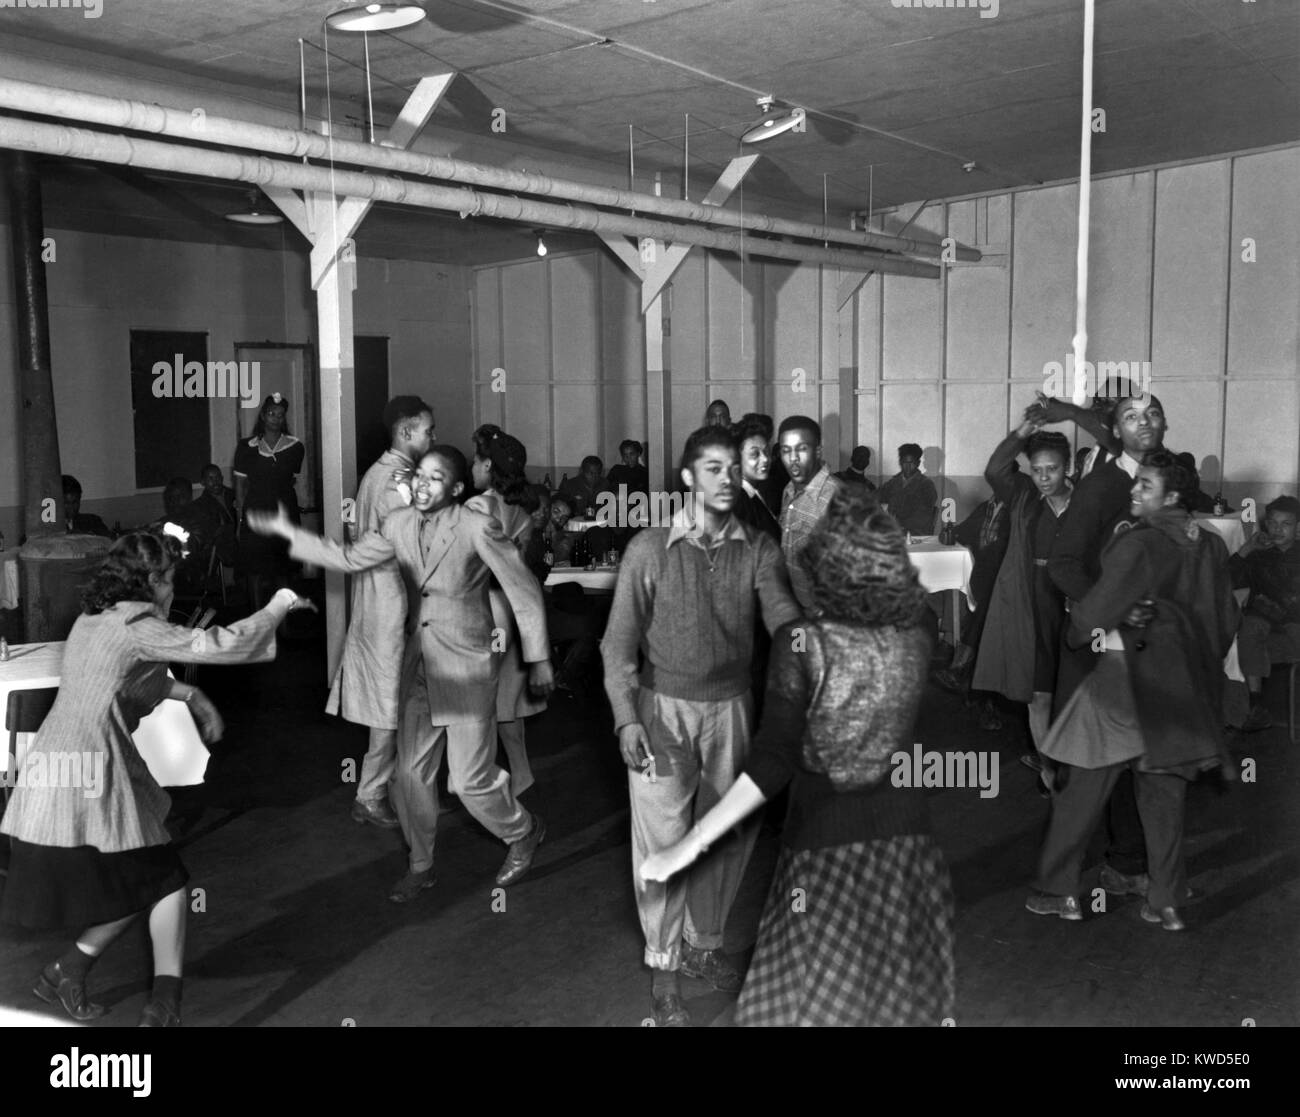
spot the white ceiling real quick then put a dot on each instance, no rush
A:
(899, 98)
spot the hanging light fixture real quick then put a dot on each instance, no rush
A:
(542, 250)
(255, 214)
(773, 122)
(375, 17)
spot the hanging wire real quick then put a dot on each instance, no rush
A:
(825, 214)
(302, 89)
(370, 97)
(686, 160)
(1080, 341)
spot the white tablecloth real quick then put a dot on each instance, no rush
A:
(600, 580)
(943, 568)
(167, 738)
(1230, 528)
(8, 581)
(940, 568)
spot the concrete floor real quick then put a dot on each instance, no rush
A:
(297, 928)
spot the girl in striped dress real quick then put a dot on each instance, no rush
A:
(97, 857)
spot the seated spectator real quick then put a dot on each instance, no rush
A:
(558, 541)
(535, 551)
(857, 472)
(584, 490)
(629, 471)
(217, 502)
(180, 509)
(1268, 564)
(85, 522)
(909, 495)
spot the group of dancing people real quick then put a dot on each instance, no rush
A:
(448, 650)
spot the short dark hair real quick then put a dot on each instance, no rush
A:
(71, 484)
(453, 457)
(765, 420)
(1285, 504)
(178, 485)
(801, 423)
(212, 465)
(630, 444)
(591, 459)
(1152, 400)
(1175, 476)
(700, 440)
(910, 450)
(861, 457)
(1048, 442)
(751, 426)
(402, 409)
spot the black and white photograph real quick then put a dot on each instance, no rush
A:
(651, 514)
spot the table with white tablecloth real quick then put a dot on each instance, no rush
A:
(940, 569)
(945, 568)
(167, 738)
(601, 579)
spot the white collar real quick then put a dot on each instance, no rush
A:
(1128, 464)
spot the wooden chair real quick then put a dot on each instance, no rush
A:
(25, 713)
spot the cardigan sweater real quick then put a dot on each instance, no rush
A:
(687, 604)
(841, 700)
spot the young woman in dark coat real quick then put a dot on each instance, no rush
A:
(1164, 616)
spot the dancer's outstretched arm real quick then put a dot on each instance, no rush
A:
(371, 550)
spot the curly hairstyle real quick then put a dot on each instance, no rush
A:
(505, 470)
(124, 574)
(751, 426)
(857, 563)
(1051, 442)
(1176, 476)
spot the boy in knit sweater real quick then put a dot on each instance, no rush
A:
(686, 599)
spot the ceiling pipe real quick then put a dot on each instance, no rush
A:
(77, 143)
(193, 125)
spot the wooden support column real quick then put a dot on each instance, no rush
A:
(328, 222)
(654, 265)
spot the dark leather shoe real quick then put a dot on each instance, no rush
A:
(670, 1012)
(377, 813)
(411, 885)
(1168, 918)
(520, 858)
(158, 1015)
(54, 988)
(711, 966)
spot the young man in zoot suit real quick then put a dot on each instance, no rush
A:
(686, 600)
(366, 685)
(446, 553)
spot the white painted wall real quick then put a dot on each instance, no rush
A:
(102, 287)
(949, 364)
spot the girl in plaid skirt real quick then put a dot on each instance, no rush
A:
(858, 925)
